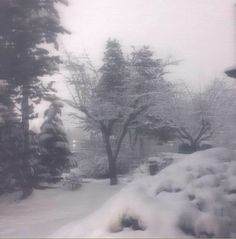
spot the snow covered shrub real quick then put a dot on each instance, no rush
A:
(54, 146)
(96, 166)
(93, 166)
(193, 197)
(185, 148)
(72, 180)
(132, 222)
(160, 162)
(156, 163)
(91, 158)
(205, 146)
(127, 221)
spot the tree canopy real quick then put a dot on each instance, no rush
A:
(28, 29)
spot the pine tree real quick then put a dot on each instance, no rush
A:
(113, 69)
(26, 26)
(53, 141)
(10, 140)
(110, 100)
(147, 69)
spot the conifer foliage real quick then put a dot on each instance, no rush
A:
(53, 142)
(26, 28)
(113, 69)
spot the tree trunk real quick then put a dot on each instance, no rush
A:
(25, 120)
(141, 149)
(26, 168)
(111, 159)
(112, 171)
(195, 146)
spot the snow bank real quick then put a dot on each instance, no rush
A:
(193, 197)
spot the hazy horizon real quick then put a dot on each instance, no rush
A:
(201, 34)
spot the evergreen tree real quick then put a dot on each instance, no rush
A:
(111, 101)
(147, 70)
(10, 141)
(53, 141)
(148, 74)
(113, 70)
(26, 26)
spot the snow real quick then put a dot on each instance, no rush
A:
(163, 160)
(96, 167)
(193, 197)
(47, 210)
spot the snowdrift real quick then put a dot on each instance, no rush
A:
(193, 197)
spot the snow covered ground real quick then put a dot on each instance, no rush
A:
(47, 210)
(193, 197)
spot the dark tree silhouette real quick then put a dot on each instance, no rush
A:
(54, 145)
(26, 26)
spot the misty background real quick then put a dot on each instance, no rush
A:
(200, 34)
(116, 117)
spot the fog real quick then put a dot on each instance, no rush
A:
(199, 33)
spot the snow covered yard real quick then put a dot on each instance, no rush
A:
(193, 197)
(47, 210)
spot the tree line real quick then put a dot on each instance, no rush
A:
(128, 96)
(26, 27)
(131, 96)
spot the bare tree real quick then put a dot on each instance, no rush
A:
(196, 117)
(113, 116)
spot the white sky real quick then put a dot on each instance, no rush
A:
(201, 33)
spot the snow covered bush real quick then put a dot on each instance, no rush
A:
(193, 197)
(94, 165)
(54, 146)
(73, 179)
(162, 160)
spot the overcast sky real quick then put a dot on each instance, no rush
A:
(201, 33)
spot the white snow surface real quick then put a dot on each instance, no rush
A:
(47, 210)
(193, 197)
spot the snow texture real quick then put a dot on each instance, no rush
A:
(96, 167)
(47, 210)
(193, 197)
(72, 180)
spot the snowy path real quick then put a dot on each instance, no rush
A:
(47, 210)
